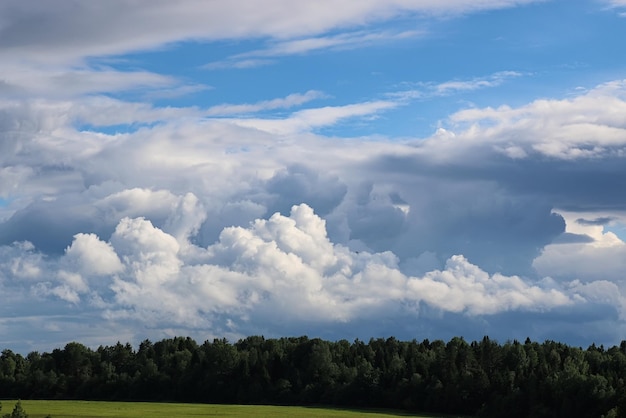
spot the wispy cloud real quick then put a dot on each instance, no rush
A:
(176, 91)
(62, 30)
(292, 100)
(342, 41)
(59, 82)
(617, 4)
(309, 119)
(477, 83)
(429, 89)
(238, 64)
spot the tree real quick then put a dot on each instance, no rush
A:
(18, 412)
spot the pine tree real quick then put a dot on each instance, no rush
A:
(18, 411)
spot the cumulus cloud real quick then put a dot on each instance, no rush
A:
(92, 257)
(600, 257)
(588, 126)
(239, 218)
(410, 198)
(283, 266)
(463, 286)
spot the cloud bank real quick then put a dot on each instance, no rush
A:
(125, 218)
(284, 266)
(232, 241)
(67, 30)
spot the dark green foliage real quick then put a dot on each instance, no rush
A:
(18, 412)
(483, 377)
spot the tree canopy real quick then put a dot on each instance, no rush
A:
(483, 378)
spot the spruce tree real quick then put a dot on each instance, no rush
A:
(18, 411)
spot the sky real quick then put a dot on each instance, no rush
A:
(339, 169)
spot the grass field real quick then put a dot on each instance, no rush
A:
(88, 409)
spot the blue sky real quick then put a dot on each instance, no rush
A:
(343, 169)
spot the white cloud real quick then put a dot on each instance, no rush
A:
(238, 64)
(60, 82)
(291, 100)
(285, 266)
(309, 119)
(277, 268)
(72, 285)
(172, 221)
(601, 292)
(63, 292)
(465, 287)
(590, 125)
(427, 90)
(138, 202)
(602, 257)
(109, 177)
(151, 252)
(299, 46)
(476, 83)
(616, 3)
(60, 30)
(20, 261)
(92, 257)
(169, 227)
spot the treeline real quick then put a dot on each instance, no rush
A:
(482, 378)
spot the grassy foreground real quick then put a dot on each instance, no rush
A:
(89, 409)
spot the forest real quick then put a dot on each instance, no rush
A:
(480, 378)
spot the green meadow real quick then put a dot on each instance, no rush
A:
(90, 409)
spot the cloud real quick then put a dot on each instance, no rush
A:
(243, 218)
(602, 257)
(161, 268)
(238, 64)
(291, 100)
(387, 189)
(300, 46)
(602, 292)
(428, 90)
(463, 286)
(410, 198)
(476, 83)
(300, 183)
(587, 126)
(61, 82)
(616, 4)
(276, 268)
(310, 119)
(62, 30)
(90, 256)
(597, 221)
(22, 262)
